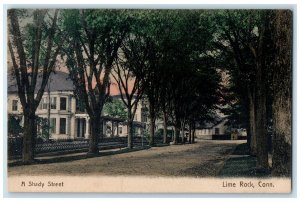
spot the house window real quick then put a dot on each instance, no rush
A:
(53, 102)
(62, 125)
(144, 118)
(44, 103)
(217, 131)
(53, 125)
(63, 103)
(120, 130)
(15, 105)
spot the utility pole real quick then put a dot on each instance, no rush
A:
(49, 106)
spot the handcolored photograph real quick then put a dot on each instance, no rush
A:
(149, 93)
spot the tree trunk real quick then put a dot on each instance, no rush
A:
(247, 123)
(282, 104)
(29, 138)
(190, 134)
(261, 79)
(193, 135)
(130, 134)
(182, 132)
(176, 134)
(152, 131)
(130, 130)
(94, 136)
(248, 132)
(252, 125)
(152, 124)
(282, 138)
(165, 127)
(261, 119)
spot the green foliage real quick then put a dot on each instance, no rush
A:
(44, 128)
(190, 77)
(160, 133)
(93, 39)
(169, 50)
(14, 127)
(115, 108)
(237, 41)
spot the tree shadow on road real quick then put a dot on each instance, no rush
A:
(76, 156)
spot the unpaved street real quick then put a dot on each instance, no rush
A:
(203, 159)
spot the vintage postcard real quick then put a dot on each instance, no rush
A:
(149, 100)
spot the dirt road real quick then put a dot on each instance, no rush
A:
(203, 159)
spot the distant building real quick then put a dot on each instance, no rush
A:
(213, 129)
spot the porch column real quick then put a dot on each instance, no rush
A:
(112, 129)
(87, 128)
(80, 127)
(142, 130)
(117, 129)
(142, 134)
(76, 128)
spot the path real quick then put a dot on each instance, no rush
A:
(203, 159)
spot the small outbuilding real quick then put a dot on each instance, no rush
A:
(213, 129)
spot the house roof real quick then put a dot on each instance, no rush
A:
(59, 81)
(210, 123)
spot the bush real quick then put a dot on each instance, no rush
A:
(14, 127)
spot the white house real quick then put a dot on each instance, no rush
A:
(57, 104)
(214, 129)
(67, 118)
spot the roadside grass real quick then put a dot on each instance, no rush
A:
(77, 156)
(242, 164)
(160, 145)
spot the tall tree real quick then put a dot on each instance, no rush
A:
(94, 37)
(152, 78)
(33, 51)
(147, 51)
(190, 70)
(236, 31)
(282, 85)
(165, 100)
(245, 33)
(130, 85)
